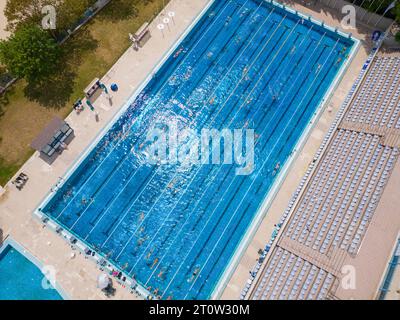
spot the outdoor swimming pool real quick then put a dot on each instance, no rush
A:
(173, 227)
(20, 278)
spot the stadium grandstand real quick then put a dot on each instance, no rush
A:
(345, 216)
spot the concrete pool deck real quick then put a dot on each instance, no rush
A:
(77, 275)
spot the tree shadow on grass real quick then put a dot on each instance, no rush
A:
(76, 46)
(56, 90)
(119, 10)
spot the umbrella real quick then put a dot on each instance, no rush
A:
(161, 27)
(103, 281)
(166, 21)
(171, 14)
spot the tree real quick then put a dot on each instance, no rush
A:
(30, 53)
(397, 36)
(24, 12)
(397, 12)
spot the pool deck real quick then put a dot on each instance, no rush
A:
(78, 275)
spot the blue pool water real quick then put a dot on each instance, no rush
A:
(20, 279)
(173, 227)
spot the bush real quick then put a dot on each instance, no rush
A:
(30, 53)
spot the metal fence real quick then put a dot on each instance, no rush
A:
(363, 16)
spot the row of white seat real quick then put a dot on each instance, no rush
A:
(378, 102)
(289, 277)
(339, 198)
(332, 209)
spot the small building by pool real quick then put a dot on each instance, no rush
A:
(21, 277)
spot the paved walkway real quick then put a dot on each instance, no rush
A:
(78, 275)
(3, 22)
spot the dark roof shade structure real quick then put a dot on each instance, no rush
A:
(52, 137)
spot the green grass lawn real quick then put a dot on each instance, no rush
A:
(28, 107)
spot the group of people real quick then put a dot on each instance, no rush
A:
(78, 106)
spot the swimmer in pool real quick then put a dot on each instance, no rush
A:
(172, 81)
(176, 55)
(171, 185)
(141, 241)
(194, 274)
(69, 192)
(149, 254)
(277, 167)
(212, 100)
(154, 263)
(141, 217)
